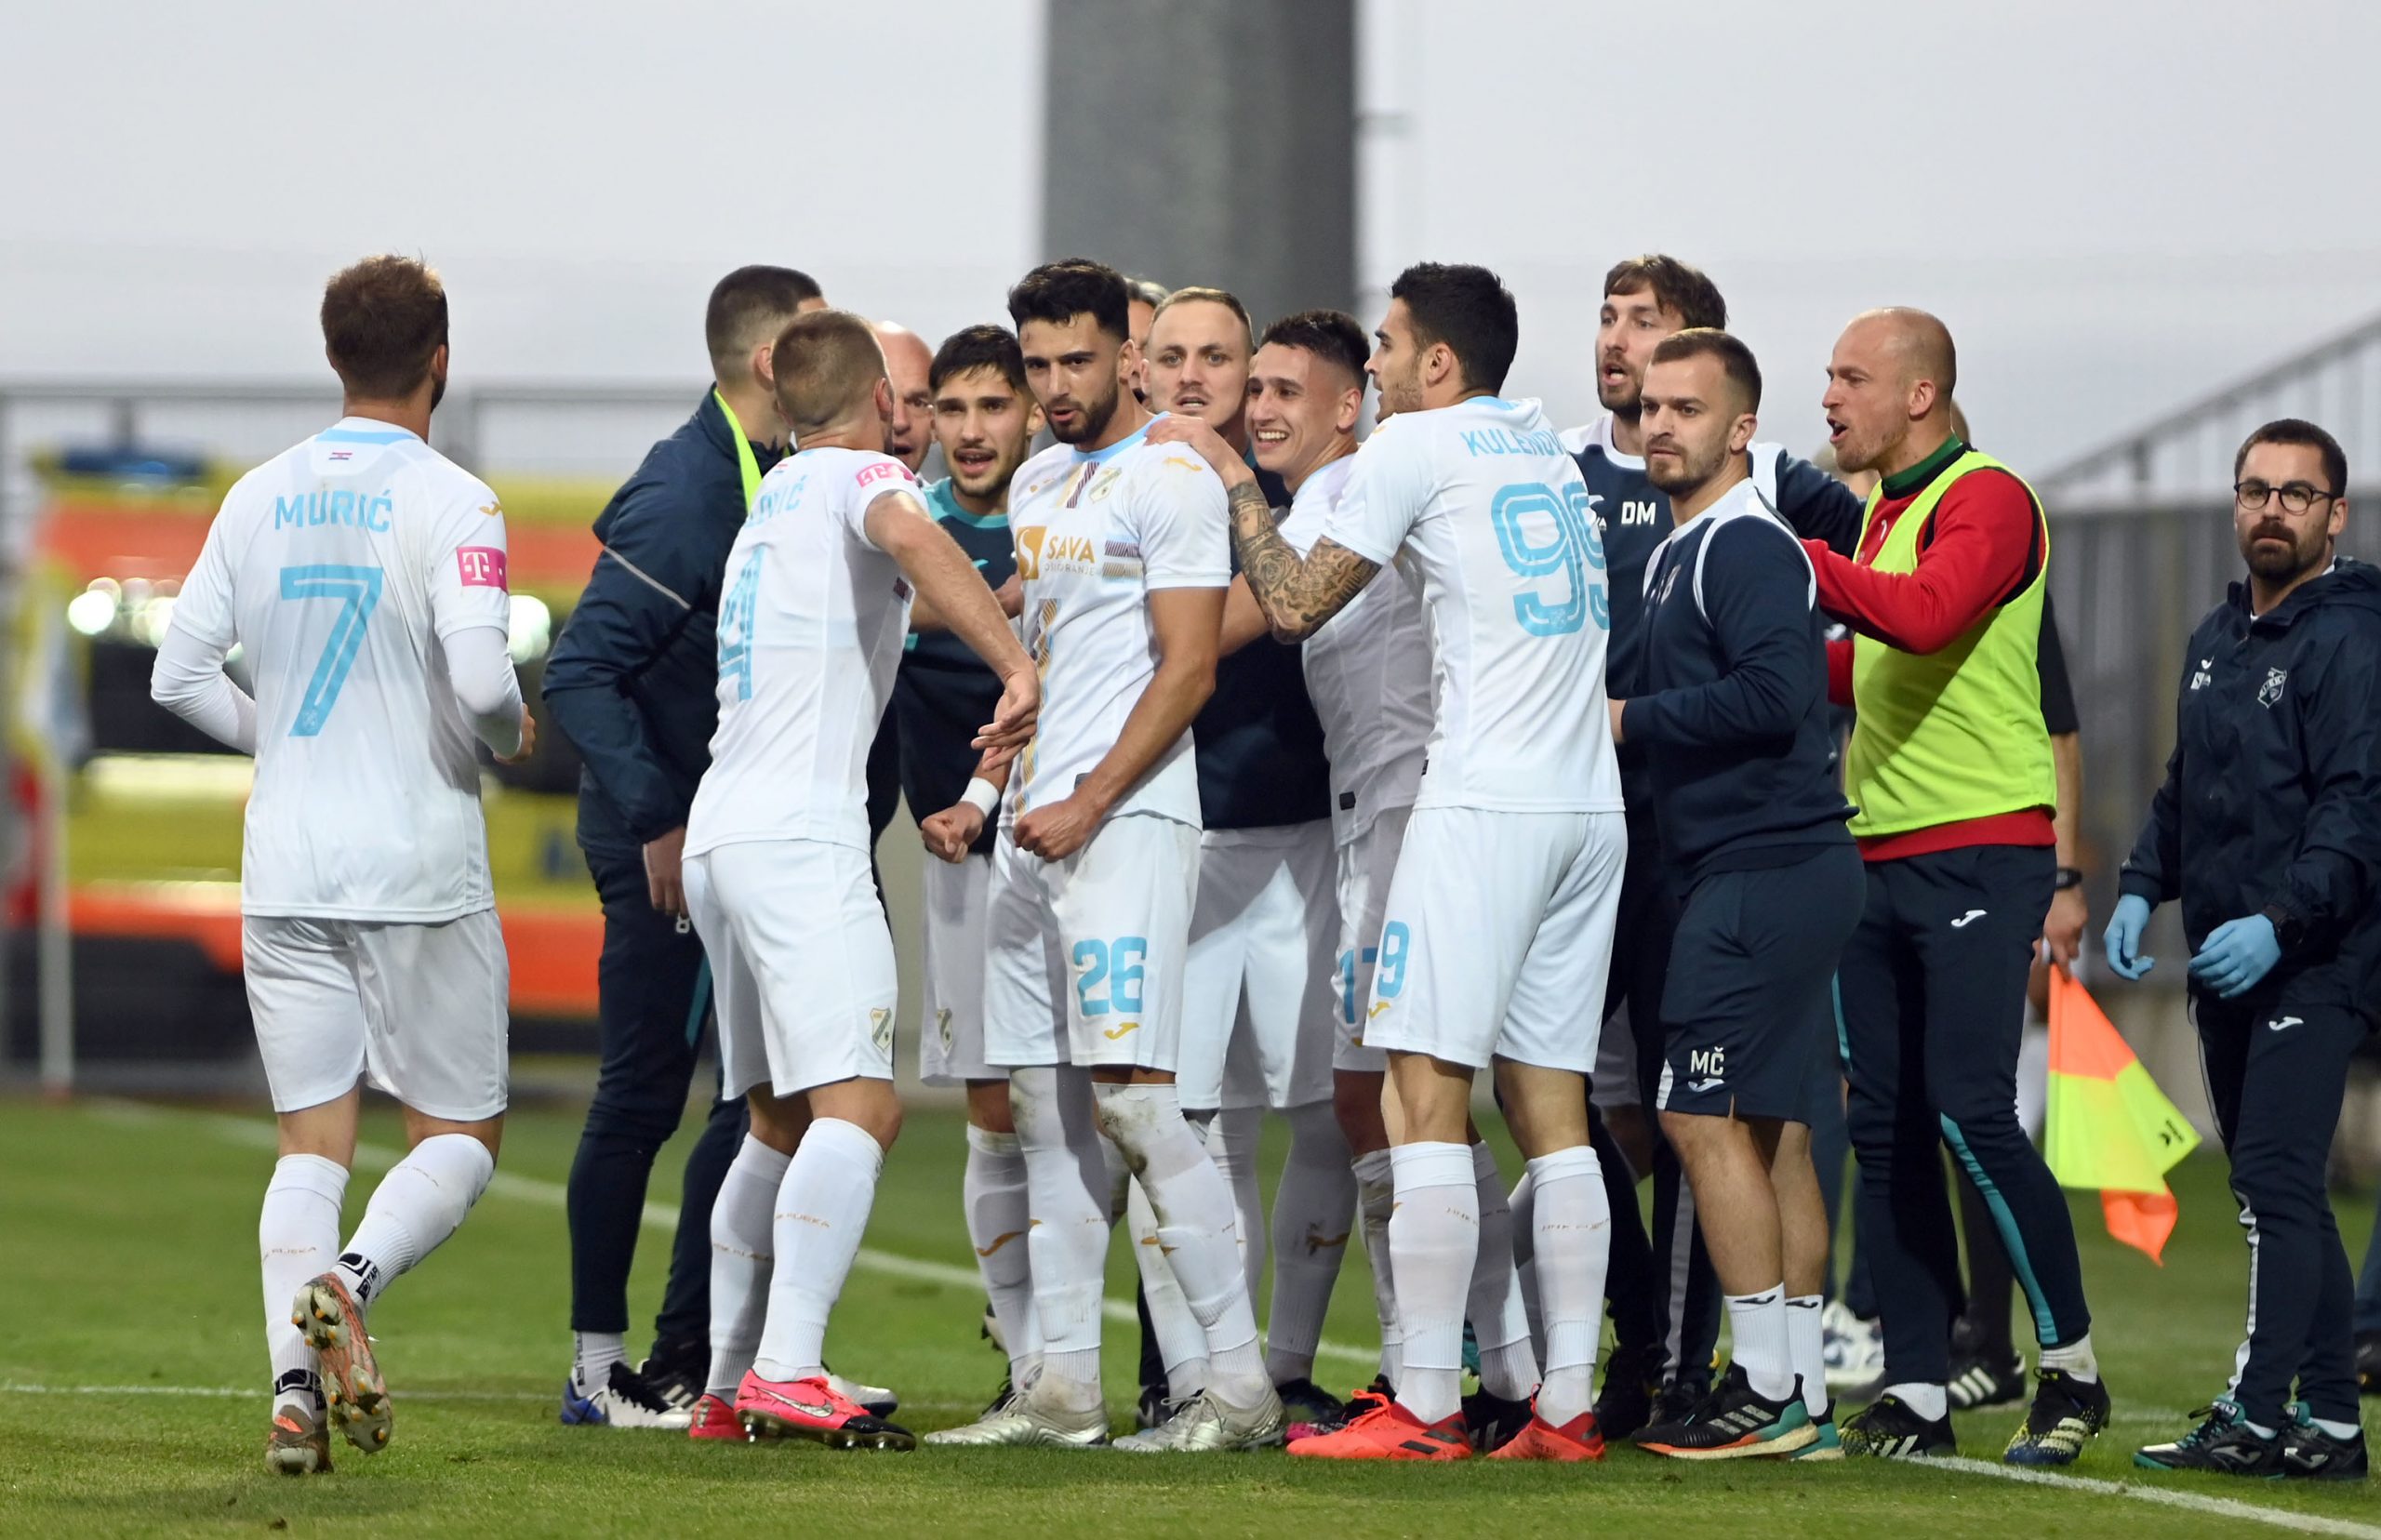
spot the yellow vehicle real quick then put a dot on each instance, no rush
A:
(153, 808)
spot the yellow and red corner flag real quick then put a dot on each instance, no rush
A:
(2109, 1125)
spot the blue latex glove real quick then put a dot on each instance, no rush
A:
(2122, 939)
(2241, 952)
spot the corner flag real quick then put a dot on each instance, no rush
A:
(2109, 1125)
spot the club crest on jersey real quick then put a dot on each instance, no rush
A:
(2269, 693)
(880, 1029)
(2202, 676)
(1105, 481)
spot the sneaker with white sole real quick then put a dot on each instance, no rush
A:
(624, 1400)
(1028, 1421)
(1207, 1423)
(875, 1400)
(1853, 1350)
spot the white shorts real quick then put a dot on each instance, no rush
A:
(1261, 996)
(417, 1010)
(1366, 864)
(951, 1035)
(1083, 957)
(1498, 937)
(801, 963)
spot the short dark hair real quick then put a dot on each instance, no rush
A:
(1333, 336)
(1735, 359)
(969, 347)
(2298, 431)
(1469, 310)
(383, 321)
(822, 361)
(751, 306)
(1676, 286)
(1149, 291)
(1057, 292)
(1196, 296)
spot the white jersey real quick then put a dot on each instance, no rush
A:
(811, 622)
(1367, 671)
(340, 568)
(1096, 535)
(1490, 512)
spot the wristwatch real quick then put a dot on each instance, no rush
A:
(2069, 877)
(2288, 928)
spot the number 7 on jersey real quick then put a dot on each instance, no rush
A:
(358, 591)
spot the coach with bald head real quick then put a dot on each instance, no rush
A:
(1950, 768)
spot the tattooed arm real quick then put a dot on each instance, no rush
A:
(1298, 595)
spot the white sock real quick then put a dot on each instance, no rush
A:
(591, 1357)
(1524, 1203)
(1232, 1139)
(1194, 1228)
(416, 1207)
(1508, 1365)
(1929, 1401)
(1572, 1244)
(2076, 1358)
(1314, 1210)
(1433, 1241)
(743, 1255)
(2335, 1429)
(296, 1241)
(1181, 1341)
(821, 1214)
(994, 1194)
(1757, 1326)
(1068, 1192)
(1806, 1349)
(1375, 1198)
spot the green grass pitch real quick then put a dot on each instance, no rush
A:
(131, 1369)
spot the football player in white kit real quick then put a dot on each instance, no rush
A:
(1258, 1017)
(362, 575)
(1494, 944)
(1120, 547)
(817, 604)
(1368, 672)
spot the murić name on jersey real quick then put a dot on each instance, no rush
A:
(341, 507)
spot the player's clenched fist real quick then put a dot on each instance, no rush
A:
(949, 832)
(528, 741)
(1060, 829)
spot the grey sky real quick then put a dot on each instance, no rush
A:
(2115, 205)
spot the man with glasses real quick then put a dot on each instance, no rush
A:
(2268, 831)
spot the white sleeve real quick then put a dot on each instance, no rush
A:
(467, 578)
(1181, 518)
(871, 479)
(1387, 491)
(189, 681)
(479, 665)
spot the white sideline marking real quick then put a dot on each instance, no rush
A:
(2222, 1507)
(660, 1217)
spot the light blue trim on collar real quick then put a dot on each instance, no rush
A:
(946, 505)
(361, 435)
(1096, 457)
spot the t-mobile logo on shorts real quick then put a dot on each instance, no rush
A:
(482, 566)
